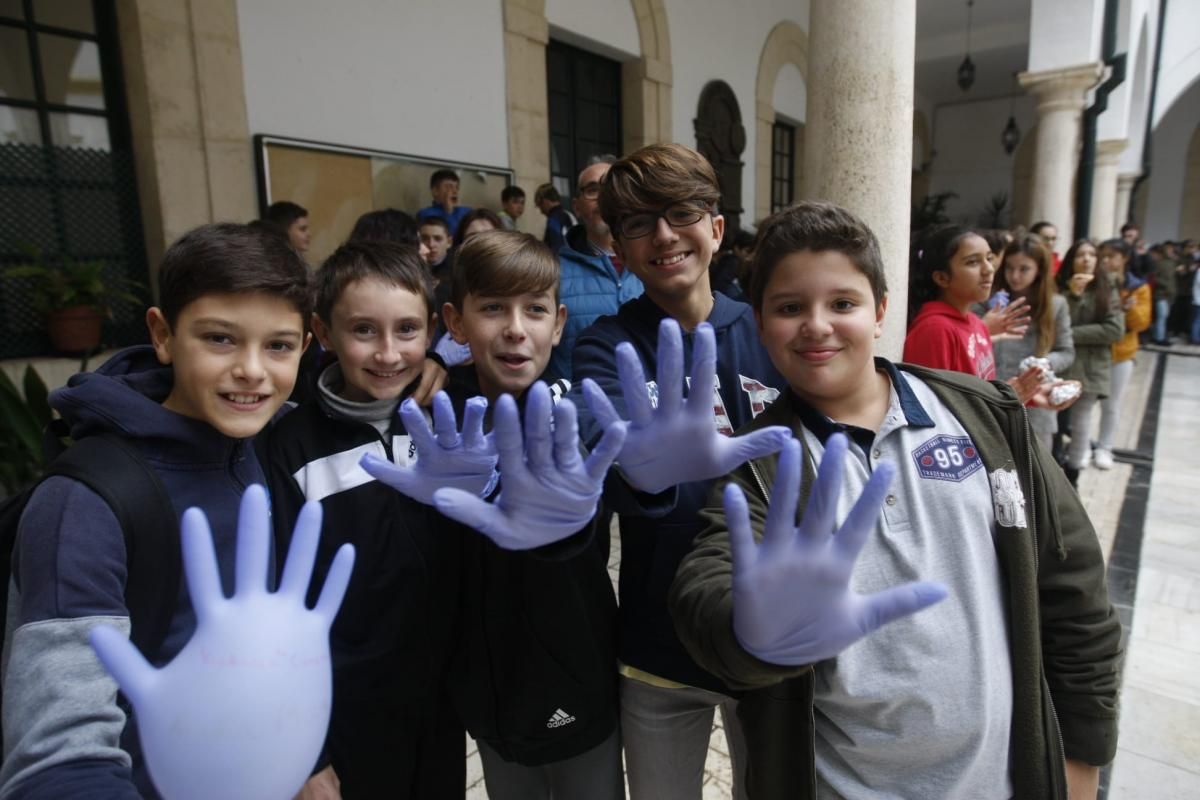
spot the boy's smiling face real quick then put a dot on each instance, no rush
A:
(819, 323)
(380, 332)
(673, 262)
(234, 356)
(510, 337)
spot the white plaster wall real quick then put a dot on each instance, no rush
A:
(712, 40)
(1064, 33)
(424, 77)
(1171, 139)
(969, 159)
(1116, 123)
(791, 95)
(1180, 54)
(607, 28)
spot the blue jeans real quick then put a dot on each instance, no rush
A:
(1162, 310)
(1195, 337)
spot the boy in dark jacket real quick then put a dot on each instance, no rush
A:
(392, 731)
(661, 205)
(1008, 688)
(532, 674)
(227, 338)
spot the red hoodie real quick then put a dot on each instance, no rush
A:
(943, 337)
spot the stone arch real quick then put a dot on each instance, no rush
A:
(787, 43)
(645, 88)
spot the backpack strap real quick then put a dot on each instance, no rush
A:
(111, 467)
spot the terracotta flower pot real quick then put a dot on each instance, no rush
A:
(76, 329)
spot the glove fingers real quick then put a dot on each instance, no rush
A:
(121, 658)
(860, 522)
(476, 409)
(336, 581)
(740, 449)
(704, 372)
(416, 425)
(507, 436)
(302, 552)
(253, 542)
(892, 604)
(741, 537)
(817, 525)
(200, 564)
(633, 386)
(605, 452)
(539, 450)
(385, 471)
(780, 528)
(669, 374)
(566, 437)
(599, 404)
(445, 426)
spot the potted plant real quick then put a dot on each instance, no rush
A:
(74, 297)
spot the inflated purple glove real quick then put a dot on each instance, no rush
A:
(792, 603)
(677, 442)
(444, 458)
(243, 710)
(547, 491)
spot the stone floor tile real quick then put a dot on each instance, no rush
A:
(1137, 777)
(1160, 727)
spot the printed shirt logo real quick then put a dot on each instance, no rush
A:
(1009, 499)
(760, 397)
(559, 718)
(947, 458)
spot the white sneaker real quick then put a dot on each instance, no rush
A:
(1103, 459)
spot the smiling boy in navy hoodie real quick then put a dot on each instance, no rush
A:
(227, 337)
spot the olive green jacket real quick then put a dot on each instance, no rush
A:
(1094, 339)
(1064, 636)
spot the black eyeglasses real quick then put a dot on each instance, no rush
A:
(635, 226)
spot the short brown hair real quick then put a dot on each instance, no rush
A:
(819, 227)
(400, 265)
(230, 258)
(502, 264)
(655, 177)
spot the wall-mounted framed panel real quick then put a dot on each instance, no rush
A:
(338, 183)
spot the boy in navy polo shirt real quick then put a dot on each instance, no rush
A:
(1008, 688)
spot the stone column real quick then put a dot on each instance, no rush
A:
(858, 149)
(1121, 205)
(1102, 223)
(1060, 95)
(526, 34)
(187, 110)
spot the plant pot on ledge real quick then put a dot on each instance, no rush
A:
(75, 330)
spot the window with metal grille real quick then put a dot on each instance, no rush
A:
(67, 185)
(783, 165)
(584, 99)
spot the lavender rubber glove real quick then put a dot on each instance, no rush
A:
(444, 458)
(792, 604)
(242, 711)
(547, 491)
(677, 442)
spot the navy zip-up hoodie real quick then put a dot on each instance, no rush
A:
(64, 733)
(653, 544)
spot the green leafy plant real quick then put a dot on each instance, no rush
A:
(22, 420)
(931, 211)
(67, 282)
(993, 213)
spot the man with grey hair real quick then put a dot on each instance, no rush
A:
(593, 281)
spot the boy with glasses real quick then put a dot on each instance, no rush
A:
(594, 281)
(660, 205)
